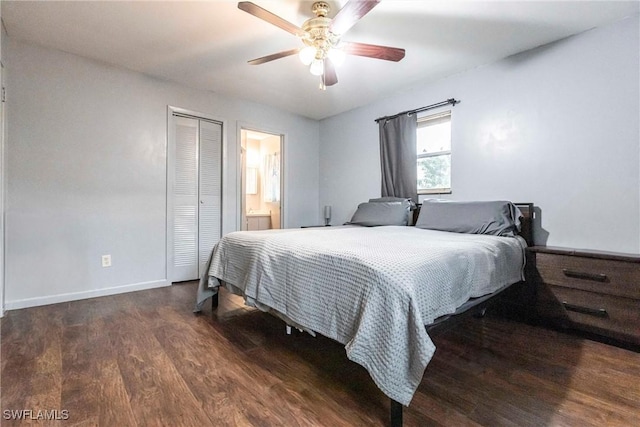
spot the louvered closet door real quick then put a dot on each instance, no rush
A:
(196, 196)
(210, 190)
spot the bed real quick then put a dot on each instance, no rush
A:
(377, 284)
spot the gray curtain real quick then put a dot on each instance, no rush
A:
(398, 157)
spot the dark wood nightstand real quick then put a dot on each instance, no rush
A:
(596, 292)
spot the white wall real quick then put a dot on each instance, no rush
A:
(557, 126)
(2, 179)
(86, 173)
(86, 157)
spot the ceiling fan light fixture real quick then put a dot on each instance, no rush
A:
(307, 55)
(323, 49)
(317, 67)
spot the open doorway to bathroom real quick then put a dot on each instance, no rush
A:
(261, 168)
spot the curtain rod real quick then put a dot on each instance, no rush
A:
(451, 101)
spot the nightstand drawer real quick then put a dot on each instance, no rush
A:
(590, 274)
(599, 313)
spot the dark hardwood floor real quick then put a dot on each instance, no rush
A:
(144, 359)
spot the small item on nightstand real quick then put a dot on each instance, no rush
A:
(327, 215)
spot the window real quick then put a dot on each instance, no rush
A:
(434, 153)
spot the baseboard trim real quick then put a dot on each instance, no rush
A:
(74, 296)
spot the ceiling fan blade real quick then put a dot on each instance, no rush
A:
(271, 18)
(350, 14)
(373, 51)
(273, 56)
(329, 77)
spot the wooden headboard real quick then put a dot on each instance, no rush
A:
(526, 226)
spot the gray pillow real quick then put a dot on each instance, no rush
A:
(498, 218)
(380, 213)
(406, 202)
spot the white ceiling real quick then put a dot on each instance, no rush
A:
(207, 44)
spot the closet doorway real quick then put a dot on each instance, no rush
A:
(261, 182)
(194, 192)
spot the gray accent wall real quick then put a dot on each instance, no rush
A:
(85, 157)
(557, 126)
(86, 173)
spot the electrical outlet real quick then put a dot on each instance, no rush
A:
(106, 260)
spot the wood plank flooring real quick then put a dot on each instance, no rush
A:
(144, 359)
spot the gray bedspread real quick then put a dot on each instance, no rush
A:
(371, 289)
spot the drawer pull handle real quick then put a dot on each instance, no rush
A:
(586, 276)
(598, 312)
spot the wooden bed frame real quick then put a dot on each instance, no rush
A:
(473, 306)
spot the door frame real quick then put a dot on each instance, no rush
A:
(170, 165)
(283, 170)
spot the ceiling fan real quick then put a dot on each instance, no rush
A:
(321, 36)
